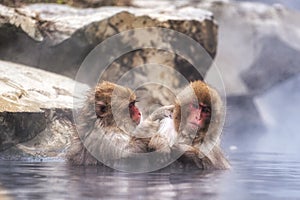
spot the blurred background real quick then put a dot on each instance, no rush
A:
(257, 56)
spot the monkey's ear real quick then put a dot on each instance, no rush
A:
(100, 108)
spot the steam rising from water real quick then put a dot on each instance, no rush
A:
(262, 46)
(280, 109)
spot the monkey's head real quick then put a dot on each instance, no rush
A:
(198, 107)
(114, 102)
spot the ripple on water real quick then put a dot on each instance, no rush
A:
(253, 176)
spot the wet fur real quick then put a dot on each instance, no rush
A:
(98, 130)
(202, 150)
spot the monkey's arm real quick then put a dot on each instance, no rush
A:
(151, 125)
(218, 158)
(155, 127)
(165, 137)
(159, 143)
(109, 143)
(191, 154)
(77, 154)
(161, 113)
(146, 128)
(102, 146)
(212, 150)
(214, 159)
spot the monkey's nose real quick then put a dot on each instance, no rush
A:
(199, 117)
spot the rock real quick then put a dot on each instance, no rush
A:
(253, 39)
(290, 4)
(36, 106)
(276, 63)
(61, 36)
(16, 127)
(12, 20)
(75, 3)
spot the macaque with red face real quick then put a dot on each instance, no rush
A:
(199, 115)
(194, 128)
(105, 120)
(134, 112)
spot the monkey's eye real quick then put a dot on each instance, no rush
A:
(131, 104)
(205, 109)
(195, 105)
(102, 109)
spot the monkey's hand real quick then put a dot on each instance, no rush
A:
(161, 113)
(194, 155)
(152, 124)
(185, 148)
(162, 149)
(189, 151)
(159, 144)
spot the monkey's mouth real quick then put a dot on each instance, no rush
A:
(136, 121)
(195, 125)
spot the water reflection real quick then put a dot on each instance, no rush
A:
(254, 176)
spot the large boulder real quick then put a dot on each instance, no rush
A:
(36, 109)
(75, 3)
(58, 37)
(276, 63)
(253, 40)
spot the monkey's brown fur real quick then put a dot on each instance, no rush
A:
(98, 129)
(208, 96)
(204, 149)
(201, 149)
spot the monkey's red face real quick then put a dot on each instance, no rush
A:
(199, 116)
(134, 112)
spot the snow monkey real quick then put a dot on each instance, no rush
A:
(99, 135)
(192, 127)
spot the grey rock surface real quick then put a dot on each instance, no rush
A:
(275, 56)
(35, 109)
(253, 39)
(60, 37)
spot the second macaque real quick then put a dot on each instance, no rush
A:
(194, 128)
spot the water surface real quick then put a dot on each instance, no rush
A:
(253, 176)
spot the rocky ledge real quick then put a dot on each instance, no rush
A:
(36, 109)
(59, 37)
